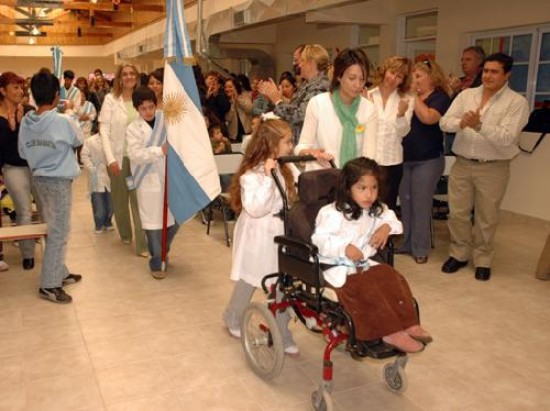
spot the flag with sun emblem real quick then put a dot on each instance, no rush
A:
(192, 177)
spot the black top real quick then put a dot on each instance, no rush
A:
(9, 153)
(425, 142)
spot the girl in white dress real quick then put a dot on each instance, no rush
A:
(255, 196)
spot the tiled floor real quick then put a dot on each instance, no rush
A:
(129, 342)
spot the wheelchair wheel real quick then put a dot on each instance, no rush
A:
(262, 341)
(396, 378)
(321, 401)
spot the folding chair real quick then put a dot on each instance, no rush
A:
(226, 164)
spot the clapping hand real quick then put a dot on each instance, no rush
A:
(471, 119)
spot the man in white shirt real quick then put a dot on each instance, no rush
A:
(487, 121)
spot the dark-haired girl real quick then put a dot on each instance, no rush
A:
(348, 233)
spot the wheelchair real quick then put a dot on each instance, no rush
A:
(301, 288)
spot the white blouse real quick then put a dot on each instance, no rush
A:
(391, 129)
(333, 233)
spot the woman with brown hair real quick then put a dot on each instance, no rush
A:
(341, 124)
(117, 112)
(240, 113)
(424, 161)
(16, 172)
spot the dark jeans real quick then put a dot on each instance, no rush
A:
(154, 243)
(102, 208)
(393, 175)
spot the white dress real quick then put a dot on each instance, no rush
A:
(334, 232)
(254, 251)
(150, 194)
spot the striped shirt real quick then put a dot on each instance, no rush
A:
(503, 117)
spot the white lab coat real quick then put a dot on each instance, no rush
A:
(150, 194)
(93, 159)
(334, 232)
(113, 120)
(254, 251)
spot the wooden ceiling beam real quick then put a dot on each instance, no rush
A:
(78, 5)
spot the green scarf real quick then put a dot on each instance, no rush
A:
(348, 119)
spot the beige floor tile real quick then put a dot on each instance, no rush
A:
(167, 401)
(229, 395)
(13, 398)
(292, 387)
(100, 308)
(373, 397)
(55, 363)
(11, 371)
(132, 381)
(11, 320)
(119, 351)
(49, 314)
(69, 393)
(51, 337)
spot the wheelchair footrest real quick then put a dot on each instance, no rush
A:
(374, 349)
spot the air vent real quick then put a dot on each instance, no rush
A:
(240, 18)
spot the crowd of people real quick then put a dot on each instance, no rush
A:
(394, 117)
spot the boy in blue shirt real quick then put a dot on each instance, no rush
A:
(47, 141)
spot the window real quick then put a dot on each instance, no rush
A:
(530, 49)
(417, 34)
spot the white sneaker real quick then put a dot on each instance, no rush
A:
(109, 228)
(234, 333)
(4, 266)
(98, 231)
(292, 350)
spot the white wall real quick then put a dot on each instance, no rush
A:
(529, 189)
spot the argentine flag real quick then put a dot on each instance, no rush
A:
(193, 180)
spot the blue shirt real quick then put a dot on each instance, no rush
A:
(425, 141)
(48, 141)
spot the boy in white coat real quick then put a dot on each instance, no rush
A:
(99, 183)
(147, 148)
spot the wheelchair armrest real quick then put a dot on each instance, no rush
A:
(296, 244)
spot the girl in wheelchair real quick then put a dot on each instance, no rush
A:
(255, 196)
(348, 233)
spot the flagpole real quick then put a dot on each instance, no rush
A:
(164, 241)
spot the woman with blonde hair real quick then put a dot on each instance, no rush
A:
(394, 106)
(116, 114)
(314, 63)
(423, 157)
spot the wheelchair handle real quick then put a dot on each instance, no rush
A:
(300, 159)
(295, 159)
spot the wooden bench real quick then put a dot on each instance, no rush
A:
(24, 232)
